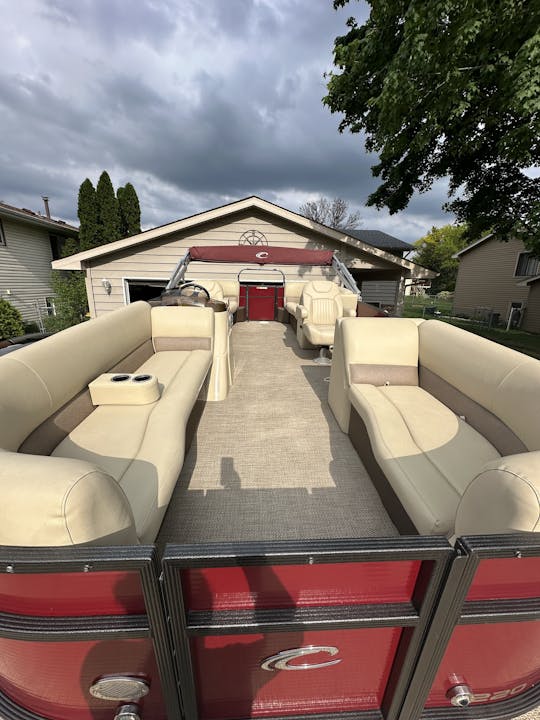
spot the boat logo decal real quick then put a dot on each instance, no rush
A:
(261, 255)
(281, 660)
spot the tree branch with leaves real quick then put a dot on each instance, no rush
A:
(448, 89)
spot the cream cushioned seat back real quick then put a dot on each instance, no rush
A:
(322, 300)
(37, 380)
(372, 351)
(213, 286)
(501, 381)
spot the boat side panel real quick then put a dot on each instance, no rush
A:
(499, 578)
(283, 586)
(72, 594)
(231, 682)
(53, 679)
(497, 661)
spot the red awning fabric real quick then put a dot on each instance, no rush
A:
(260, 255)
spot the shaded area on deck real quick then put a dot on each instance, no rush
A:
(270, 462)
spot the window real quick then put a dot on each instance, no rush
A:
(2, 235)
(50, 306)
(527, 264)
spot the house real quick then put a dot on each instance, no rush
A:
(499, 277)
(28, 244)
(139, 266)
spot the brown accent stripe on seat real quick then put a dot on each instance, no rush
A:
(55, 428)
(369, 374)
(162, 344)
(503, 439)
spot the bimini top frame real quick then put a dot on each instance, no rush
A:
(262, 255)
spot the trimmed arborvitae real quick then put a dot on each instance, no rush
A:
(108, 211)
(11, 323)
(88, 216)
(130, 210)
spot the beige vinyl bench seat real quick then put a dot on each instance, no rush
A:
(425, 450)
(72, 473)
(447, 423)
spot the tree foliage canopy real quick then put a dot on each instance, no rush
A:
(435, 251)
(334, 213)
(448, 88)
(130, 210)
(109, 223)
(88, 216)
(11, 322)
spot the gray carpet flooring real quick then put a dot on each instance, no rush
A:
(270, 462)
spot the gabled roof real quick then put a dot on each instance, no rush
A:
(32, 218)
(75, 262)
(473, 245)
(381, 240)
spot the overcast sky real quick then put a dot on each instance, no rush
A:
(196, 102)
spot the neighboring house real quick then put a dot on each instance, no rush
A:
(499, 277)
(138, 266)
(377, 289)
(28, 244)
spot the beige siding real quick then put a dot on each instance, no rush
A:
(531, 321)
(157, 260)
(486, 278)
(25, 267)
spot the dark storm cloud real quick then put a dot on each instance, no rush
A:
(196, 102)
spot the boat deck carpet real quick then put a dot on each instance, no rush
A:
(270, 462)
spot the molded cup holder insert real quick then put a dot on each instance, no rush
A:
(119, 378)
(142, 378)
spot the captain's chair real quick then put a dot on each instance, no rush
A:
(319, 308)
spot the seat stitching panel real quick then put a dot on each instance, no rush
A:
(422, 451)
(406, 474)
(34, 372)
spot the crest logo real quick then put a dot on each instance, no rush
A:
(261, 255)
(281, 660)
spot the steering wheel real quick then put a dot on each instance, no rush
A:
(192, 294)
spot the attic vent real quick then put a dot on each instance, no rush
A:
(253, 237)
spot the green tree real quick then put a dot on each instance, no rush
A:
(334, 213)
(69, 288)
(448, 89)
(88, 216)
(435, 251)
(11, 322)
(108, 211)
(130, 210)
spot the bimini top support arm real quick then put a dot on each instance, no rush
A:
(179, 272)
(345, 276)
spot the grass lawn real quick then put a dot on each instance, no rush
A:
(528, 343)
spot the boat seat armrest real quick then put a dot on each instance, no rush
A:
(301, 312)
(61, 501)
(504, 497)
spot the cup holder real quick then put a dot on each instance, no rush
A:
(141, 378)
(120, 378)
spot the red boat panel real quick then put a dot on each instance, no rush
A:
(261, 302)
(231, 683)
(72, 594)
(497, 661)
(506, 578)
(52, 678)
(260, 255)
(283, 586)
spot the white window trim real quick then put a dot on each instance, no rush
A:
(3, 242)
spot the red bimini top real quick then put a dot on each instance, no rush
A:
(260, 255)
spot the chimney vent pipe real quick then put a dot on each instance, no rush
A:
(46, 203)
